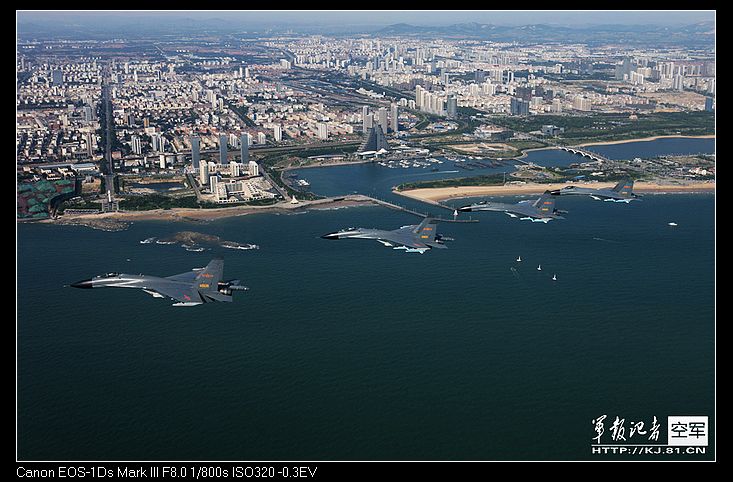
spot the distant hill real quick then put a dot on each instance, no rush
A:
(702, 33)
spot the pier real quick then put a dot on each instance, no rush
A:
(397, 207)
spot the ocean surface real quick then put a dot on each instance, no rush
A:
(348, 350)
(378, 181)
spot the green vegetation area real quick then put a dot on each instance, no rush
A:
(261, 202)
(490, 180)
(79, 203)
(242, 111)
(610, 127)
(279, 157)
(34, 199)
(542, 176)
(159, 201)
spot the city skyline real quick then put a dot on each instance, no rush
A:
(375, 18)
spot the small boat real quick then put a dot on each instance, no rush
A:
(672, 224)
(554, 277)
(539, 267)
(519, 259)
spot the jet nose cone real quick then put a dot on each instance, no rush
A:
(86, 284)
(330, 236)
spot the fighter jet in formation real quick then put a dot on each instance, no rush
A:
(540, 211)
(413, 238)
(200, 285)
(621, 193)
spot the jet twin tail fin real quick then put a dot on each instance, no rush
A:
(546, 203)
(425, 231)
(624, 187)
(208, 278)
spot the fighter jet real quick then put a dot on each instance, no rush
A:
(622, 193)
(413, 238)
(540, 211)
(200, 285)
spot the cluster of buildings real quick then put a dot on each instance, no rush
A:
(503, 78)
(229, 181)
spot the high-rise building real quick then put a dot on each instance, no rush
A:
(233, 141)
(277, 133)
(244, 145)
(382, 119)
(156, 142)
(480, 76)
(708, 104)
(57, 77)
(374, 140)
(204, 173)
(556, 106)
(519, 106)
(261, 138)
(253, 168)
(323, 130)
(234, 169)
(368, 122)
(137, 145)
(581, 103)
(195, 151)
(452, 106)
(213, 183)
(89, 144)
(524, 93)
(364, 116)
(418, 96)
(395, 115)
(223, 153)
(678, 82)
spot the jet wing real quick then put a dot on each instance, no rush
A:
(403, 237)
(183, 292)
(186, 277)
(523, 210)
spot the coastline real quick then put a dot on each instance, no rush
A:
(117, 221)
(434, 195)
(328, 164)
(643, 139)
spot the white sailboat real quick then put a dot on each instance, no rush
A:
(539, 267)
(554, 277)
(519, 259)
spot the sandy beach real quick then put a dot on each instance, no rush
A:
(440, 194)
(111, 220)
(643, 139)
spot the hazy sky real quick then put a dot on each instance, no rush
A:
(381, 18)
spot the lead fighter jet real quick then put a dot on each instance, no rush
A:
(200, 285)
(621, 193)
(540, 211)
(413, 238)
